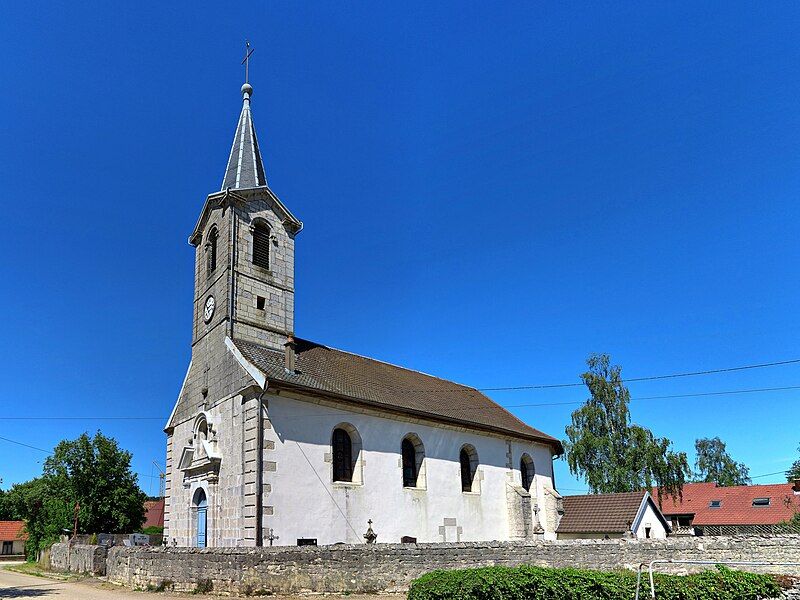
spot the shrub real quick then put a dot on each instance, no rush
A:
(162, 586)
(526, 582)
(204, 586)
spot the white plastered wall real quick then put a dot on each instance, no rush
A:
(306, 503)
(651, 520)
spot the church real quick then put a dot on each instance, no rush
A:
(278, 440)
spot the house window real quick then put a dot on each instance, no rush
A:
(468, 459)
(715, 504)
(211, 250)
(261, 241)
(527, 471)
(342, 455)
(760, 501)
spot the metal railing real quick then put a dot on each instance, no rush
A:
(777, 529)
(707, 563)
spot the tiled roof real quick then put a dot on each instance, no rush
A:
(600, 513)
(154, 513)
(736, 504)
(364, 380)
(12, 530)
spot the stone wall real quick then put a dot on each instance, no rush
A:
(391, 567)
(78, 558)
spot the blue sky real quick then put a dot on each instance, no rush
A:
(490, 192)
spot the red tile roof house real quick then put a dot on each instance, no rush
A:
(624, 515)
(154, 513)
(12, 539)
(708, 509)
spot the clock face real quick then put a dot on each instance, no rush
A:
(208, 311)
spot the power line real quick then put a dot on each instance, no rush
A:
(515, 388)
(769, 474)
(649, 378)
(666, 397)
(346, 519)
(576, 402)
(48, 452)
(336, 504)
(5, 439)
(50, 418)
(480, 408)
(687, 483)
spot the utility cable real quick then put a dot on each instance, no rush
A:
(479, 408)
(649, 378)
(336, 504)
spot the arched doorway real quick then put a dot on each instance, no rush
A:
(200, 505)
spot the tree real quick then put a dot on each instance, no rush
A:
(793, 474)
(609, 452)
(714, 464)
(92, 473)
(5, 510)
(97, 474)
(44, 509)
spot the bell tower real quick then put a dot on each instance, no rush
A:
(244, 241)
(243, 290)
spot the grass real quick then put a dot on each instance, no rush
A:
(32, 568)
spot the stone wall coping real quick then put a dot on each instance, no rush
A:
(688, 542)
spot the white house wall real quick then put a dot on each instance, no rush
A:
(650, 519)
(17, 546)
(306, 503)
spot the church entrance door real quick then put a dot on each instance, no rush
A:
(201, 508)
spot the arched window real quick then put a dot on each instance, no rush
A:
(211, 250)
(261, 241)
(342, 455)
(468, 458)
(413, 461)
(527, 470)
(409, 463)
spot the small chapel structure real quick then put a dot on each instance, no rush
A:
(278, 440)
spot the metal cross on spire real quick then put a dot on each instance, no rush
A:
(246, 61)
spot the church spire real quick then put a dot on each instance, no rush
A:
(245, 166)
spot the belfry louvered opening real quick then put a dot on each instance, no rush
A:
(211, 250)
(261, 241)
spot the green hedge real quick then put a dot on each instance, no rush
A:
(540, 583)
